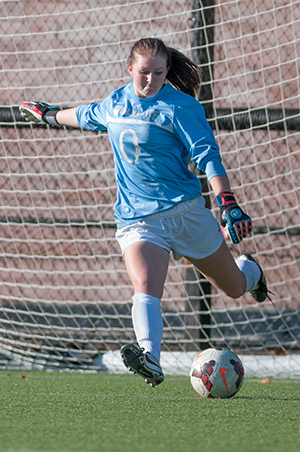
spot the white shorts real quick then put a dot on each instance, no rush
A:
(188, 229)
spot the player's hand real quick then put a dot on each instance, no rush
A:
(40, 113)
(236, 225)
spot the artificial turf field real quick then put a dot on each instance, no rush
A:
(67, 412)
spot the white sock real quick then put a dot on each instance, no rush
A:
(251, 270)
(147, 322)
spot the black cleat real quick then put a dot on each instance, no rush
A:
(143, 364)
(260, 292)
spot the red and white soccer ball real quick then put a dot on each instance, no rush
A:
(217, 373)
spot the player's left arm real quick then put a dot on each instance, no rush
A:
(193, 130)
(236, 225)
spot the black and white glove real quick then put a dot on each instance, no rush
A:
(40, 113)
(236, 225)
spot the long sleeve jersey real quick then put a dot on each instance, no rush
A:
(153, 140)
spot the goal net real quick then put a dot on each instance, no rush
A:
(65, 297)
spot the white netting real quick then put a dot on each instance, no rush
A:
(65, 295)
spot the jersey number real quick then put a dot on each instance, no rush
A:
(135, 143)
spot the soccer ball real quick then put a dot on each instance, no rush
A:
(217, 373)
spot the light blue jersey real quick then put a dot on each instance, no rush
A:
(153, 140)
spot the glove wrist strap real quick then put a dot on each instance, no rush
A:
(225, 199)
(50, 117)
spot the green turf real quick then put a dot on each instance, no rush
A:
(111, 413)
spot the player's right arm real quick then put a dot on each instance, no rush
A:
(42, 113)
(67, 117)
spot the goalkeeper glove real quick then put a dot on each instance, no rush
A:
(40, 113)
(235, 224)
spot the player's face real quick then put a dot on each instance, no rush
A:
(149, 74)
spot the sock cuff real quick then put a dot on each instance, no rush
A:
(251, 271)
(144, 297)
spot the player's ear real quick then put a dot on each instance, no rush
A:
(129, 67)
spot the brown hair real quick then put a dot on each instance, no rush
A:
(183, 73)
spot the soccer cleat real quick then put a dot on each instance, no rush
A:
(143, 364)
(260, 292)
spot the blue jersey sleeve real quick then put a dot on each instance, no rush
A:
(92, 116)
(192, 128)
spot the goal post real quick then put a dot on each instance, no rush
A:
(65, 297)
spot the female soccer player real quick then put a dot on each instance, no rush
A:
(156, 127)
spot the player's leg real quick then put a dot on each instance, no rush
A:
(147, 266)
(234, 278)
(198, 237)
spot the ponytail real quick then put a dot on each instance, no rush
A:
(184, 74)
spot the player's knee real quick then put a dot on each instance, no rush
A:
(235, 291)
(145, 284)
(237, 288)
(141, 283)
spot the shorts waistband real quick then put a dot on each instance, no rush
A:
(179, 209)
